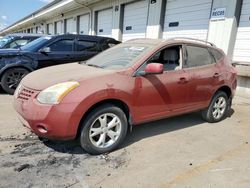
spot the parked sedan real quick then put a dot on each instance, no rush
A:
(134, 82)
(47, 51)
(17, 40)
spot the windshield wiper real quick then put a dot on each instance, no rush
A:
(93, 65)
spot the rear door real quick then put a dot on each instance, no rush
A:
(61, 51)
(203, 75)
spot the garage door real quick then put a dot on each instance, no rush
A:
(50, 29)
(59, 29)
(242, 45)
(135, 20)
(84, 24)
(189, 18)
(104, 23)
(70, 26)
(38, 30)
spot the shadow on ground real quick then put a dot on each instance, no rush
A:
(139, 132)
(2, 92)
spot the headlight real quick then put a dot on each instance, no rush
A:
(55, 93)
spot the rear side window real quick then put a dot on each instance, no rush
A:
(87, 46)
(197, 56)
(62, 46)
(217, 55)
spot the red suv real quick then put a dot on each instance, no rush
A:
(138, 81)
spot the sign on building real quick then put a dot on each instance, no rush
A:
(218, 14)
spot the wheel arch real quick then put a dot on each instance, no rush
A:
(117, 102)
(14, 66)
(225, 89)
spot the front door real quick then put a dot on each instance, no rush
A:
(61, 51)
(162, 94)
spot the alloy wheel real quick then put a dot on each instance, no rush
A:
(219, 107)
(14, 77)
(105, 130)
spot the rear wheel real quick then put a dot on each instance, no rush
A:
(103, 129)
(218, 108)
(11, 78)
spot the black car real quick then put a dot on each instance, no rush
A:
(17, 40)
(47, 51)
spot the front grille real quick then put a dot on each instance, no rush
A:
(25, 94)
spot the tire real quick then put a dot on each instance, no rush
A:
(97, 129)
(11, 78)
(218, 108)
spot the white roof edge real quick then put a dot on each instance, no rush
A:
(57, 4)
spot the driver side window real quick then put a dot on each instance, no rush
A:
(170, 57)
(62, 46)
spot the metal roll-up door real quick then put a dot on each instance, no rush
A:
(70, 26)
(242, 44)
(84, 24)
(50, 29)
(59, 29)
(135, 20)
(104, 23)
(189, 18)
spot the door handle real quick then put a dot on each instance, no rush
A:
(183, 80)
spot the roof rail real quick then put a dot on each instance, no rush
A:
(192, 39)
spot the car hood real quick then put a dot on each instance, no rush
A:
(46, 77)
(9, 51)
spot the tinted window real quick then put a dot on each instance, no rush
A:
(197, 56)
(217, 55)
(87, 46)
(62, 46)
(36, 44)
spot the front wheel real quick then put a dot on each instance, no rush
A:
(218, 108)
(103, 129)
(11, 78)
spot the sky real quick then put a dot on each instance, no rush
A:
(14, 10)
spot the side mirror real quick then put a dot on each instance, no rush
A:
(45, 50)
(154, 68)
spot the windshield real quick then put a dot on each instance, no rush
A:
(120, 56)
(36, 44)
(4, 41)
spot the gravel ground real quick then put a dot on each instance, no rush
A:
(183, 151)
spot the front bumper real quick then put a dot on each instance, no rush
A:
(48, 121)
